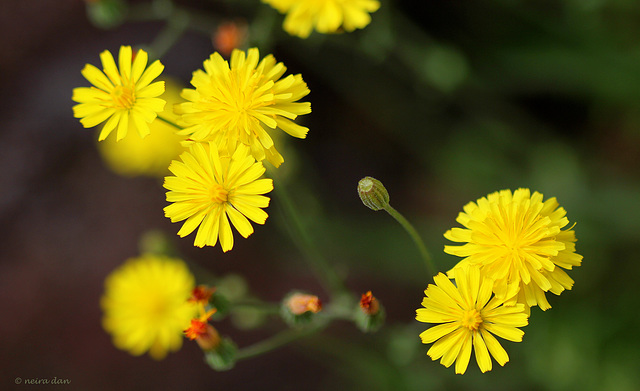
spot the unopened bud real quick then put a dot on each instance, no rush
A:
(223, 357)
(299, 303)
(201, 294)
(369, 304)
(373, 194)
(210, 339)
(299, 308)
(106, 14)
(370, 316)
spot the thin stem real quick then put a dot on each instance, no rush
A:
(269, 308)
(169, 122)
(326, 274)
(276, 341)
(426, 257)
(340, 310)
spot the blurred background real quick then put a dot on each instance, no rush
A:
(442, 101)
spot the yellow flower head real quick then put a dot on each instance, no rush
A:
(150, 156)
(326, 16)
(468, 317)
(240, 102)
(145, 305)
(209, 189)
(125, 98)
(518, 241)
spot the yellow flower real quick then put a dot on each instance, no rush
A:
(468, 318)
(151, 156)
(241, 102)
(518, 241)
(125, 98)
(145, 305)
(326, 16)
(208, 190)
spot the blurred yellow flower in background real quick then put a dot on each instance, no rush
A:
(149, 156)
(145, 305)
(468, 316)
(209, 189)
(325, 16)
(241, 101)
(125, 98)
(517, 240)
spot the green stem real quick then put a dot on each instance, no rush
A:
(169, 122)
(326, 274)
(269, 308)
(275, 342)
(426, 257)
(338, 311)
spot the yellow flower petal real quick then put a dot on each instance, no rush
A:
(482, 353)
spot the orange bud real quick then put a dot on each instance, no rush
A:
(229, 35)
(299, 303)
(201, 294)
(369, 304)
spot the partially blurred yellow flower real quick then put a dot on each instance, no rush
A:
(125, 98)
(468, 317)
(210, 189)
(517, 240)
(241, 102)
(150, 156)
(326, 16)
(145, 305)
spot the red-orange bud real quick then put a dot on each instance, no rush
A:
(369, 304)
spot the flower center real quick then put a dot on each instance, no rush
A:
(218, 194)
(123, 97)
(471, 319)
(154, 304)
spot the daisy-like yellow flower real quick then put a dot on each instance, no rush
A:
(467, 318)
(518, 241)
(145, 305)
(125, 98)
(326, 16)
(241, 102)
(150, 156)
(210, 189)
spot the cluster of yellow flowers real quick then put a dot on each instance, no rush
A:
(224, 123)
(209, 143)
(513, 253)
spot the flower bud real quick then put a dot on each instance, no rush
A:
(209, 339)
(372, 193)
(201, 294)
(369, 304)
(106, 14)
(223, 357)
(299, 308)
(370, 314)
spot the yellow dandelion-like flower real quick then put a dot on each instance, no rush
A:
(468, 317)
(125, 98)
(326, 16)
(518, 241)
(241, 101)
(208, 190)
(133, 156)
(145, 305)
